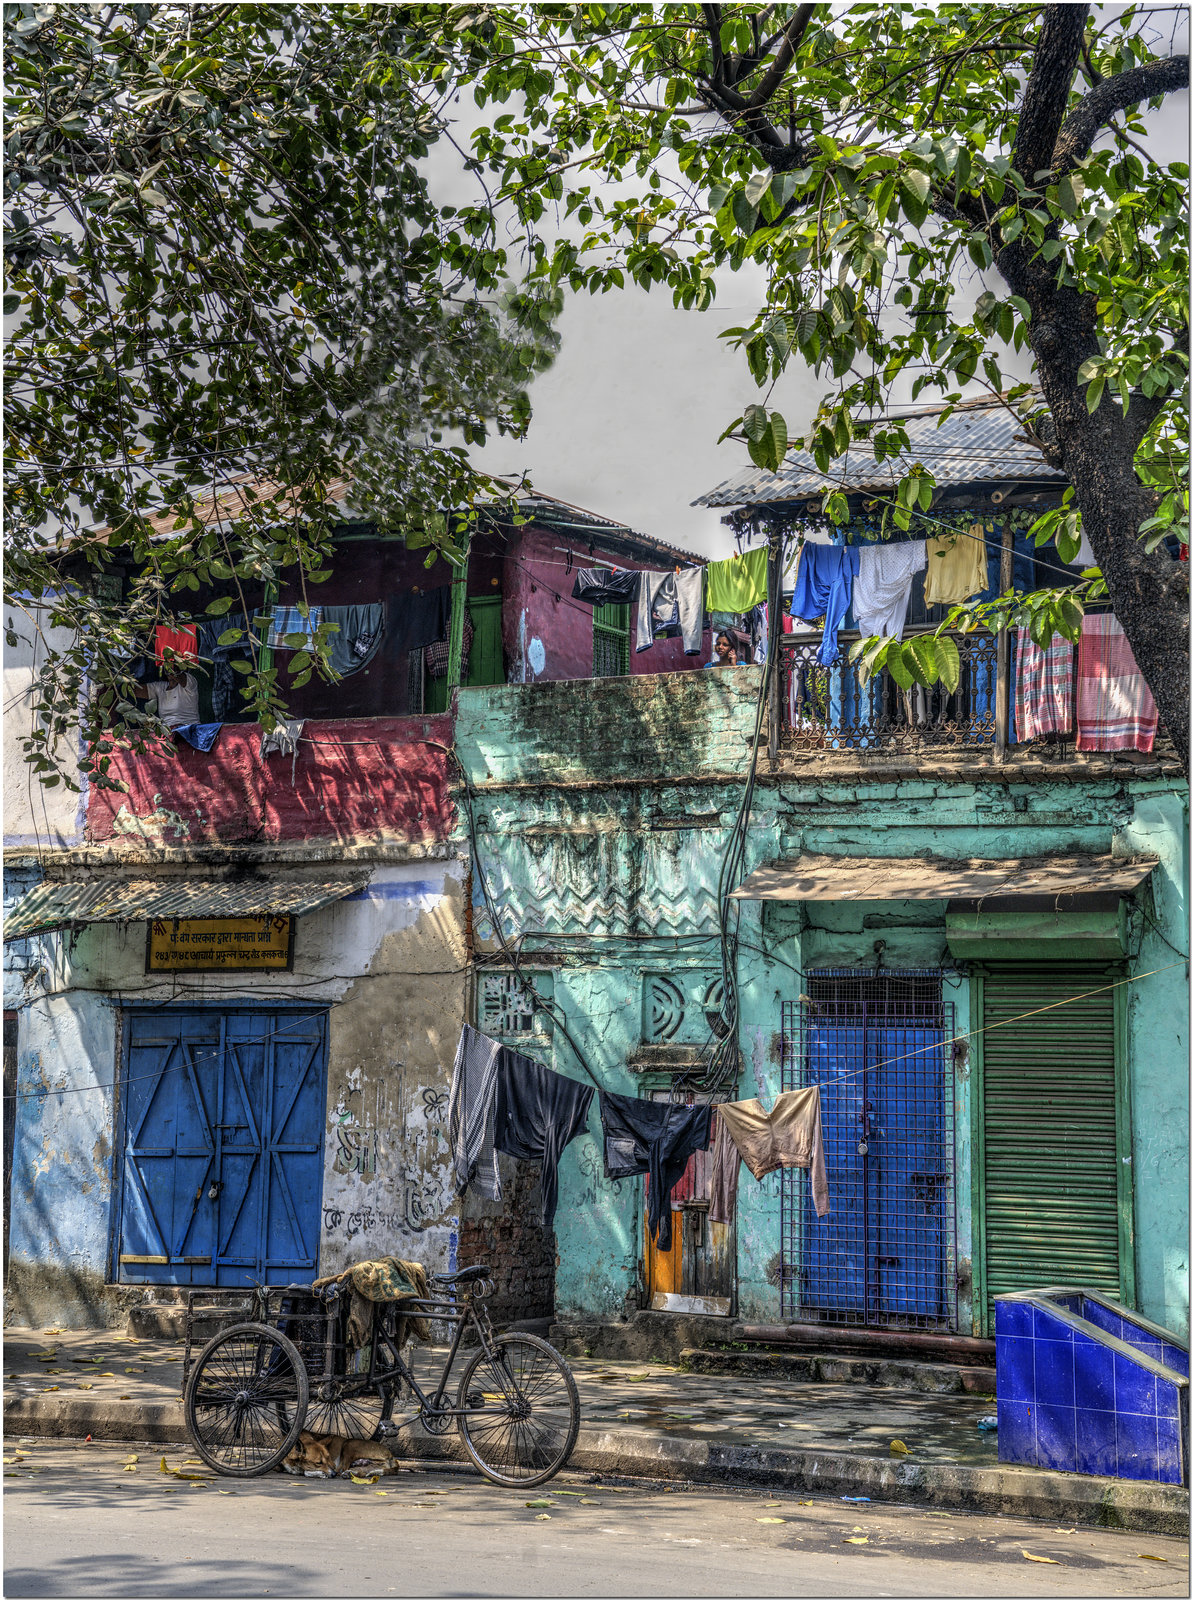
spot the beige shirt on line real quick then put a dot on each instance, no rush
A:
(791, 1135)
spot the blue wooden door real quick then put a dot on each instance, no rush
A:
(223, 1136)
(880, 1255)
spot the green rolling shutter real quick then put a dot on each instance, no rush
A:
(1054, 1129)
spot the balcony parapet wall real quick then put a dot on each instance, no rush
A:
(360, 781)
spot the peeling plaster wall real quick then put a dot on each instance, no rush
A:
(35, 817)
(602, 819)
(389, 963)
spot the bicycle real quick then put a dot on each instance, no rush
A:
(254, 1388)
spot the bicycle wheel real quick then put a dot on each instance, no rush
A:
(525, 1410)
(351, 1416)
(246, 1400)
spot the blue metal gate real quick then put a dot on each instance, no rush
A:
(222, 1175)
(885, 1253)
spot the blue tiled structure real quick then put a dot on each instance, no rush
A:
(1084, 1385)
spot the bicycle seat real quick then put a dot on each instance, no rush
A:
(466, 1275)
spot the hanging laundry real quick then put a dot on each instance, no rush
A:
(739, 583)
(199, 735)
(471, 1114)
(655, 1137)
(223, 679)
(358, 639)
(538, 1113)
(791, 1135)
(957, 567)
(726, 1167)
(283, 740)
(666, 595)
(824, 588)
(183, 641)
(1115, 709)
(1043, 687)
(438, 655)
(598, 586)
(882, 587)
(412, 621)
(286, 621)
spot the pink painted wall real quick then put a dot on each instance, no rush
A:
(546, 634)
(365, 779)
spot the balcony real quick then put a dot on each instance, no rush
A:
(827, 712)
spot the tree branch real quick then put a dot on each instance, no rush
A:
(1045, 97)
(782, 60)
(1075, 138)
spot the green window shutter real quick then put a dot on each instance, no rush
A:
(486, 664)
(1054, 1129)
(610, 641)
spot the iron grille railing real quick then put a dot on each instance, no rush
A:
(828, 708)
(878, 1046)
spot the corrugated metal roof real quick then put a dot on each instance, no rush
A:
(62, 905)
(882, 878)
(981, 440)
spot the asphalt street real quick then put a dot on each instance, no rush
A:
(105, 1520)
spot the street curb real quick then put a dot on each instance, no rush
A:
(1010, 1491)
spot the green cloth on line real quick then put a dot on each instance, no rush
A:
(387, 1280)
(739, 583)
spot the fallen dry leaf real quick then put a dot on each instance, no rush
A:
(52, 1389)
(381, 1491)
(543, 1516)
(1048, 1559)
(530, 1504)
(590, 1502)
(84, 1386)
(355, 1479)
(865, 1540)
(130, 1468)
(769, 1519)
(1142, 1556)
(897, 1448)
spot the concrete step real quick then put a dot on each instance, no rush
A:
(924, 1377)
(168, 1322)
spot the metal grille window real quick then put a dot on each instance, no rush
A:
(503, 1006)
(885, 1255)
(610, 641)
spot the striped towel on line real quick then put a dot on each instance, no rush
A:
(288, 619)
(1115, 709)
(1043, 689)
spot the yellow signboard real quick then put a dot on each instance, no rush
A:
(220, 944)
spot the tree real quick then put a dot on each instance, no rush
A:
(881, 152)
(227, 284)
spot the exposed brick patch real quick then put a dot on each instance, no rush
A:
(511, 1239)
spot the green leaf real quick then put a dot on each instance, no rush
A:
(947, 660)
(897, 667)
(919, 654)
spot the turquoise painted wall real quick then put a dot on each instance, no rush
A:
(602, 810)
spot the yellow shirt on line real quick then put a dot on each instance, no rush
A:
(956, 567)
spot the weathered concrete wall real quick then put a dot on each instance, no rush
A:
(547, 634)
(390, 963)
(365, 781)
(34, 816)
(602, 814)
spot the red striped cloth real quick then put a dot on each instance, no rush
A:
(1115, 709)
(1042, 687)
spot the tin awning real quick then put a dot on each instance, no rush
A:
(933, 878)
(54, 905)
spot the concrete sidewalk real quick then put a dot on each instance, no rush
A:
(641, 1419)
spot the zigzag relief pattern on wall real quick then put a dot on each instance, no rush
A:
(608, 883)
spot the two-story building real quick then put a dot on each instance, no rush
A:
(974, 942)
(234, 982)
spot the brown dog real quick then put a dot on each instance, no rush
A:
(330, 1456)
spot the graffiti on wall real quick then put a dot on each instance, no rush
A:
(399, 1145)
